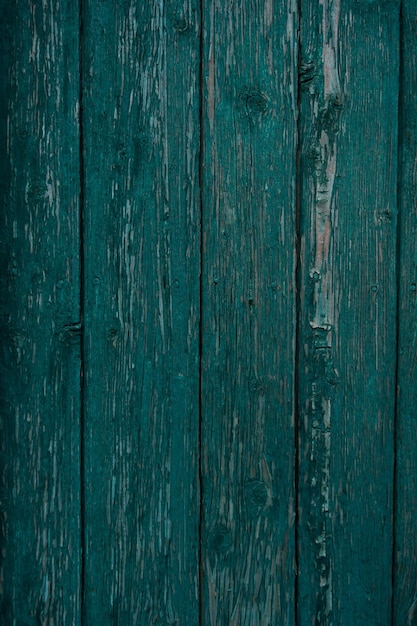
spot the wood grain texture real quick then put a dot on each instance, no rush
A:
(248, 286)
(206, 329)
(405, 574)
(348, 128)
(142, 258)
(40, 314)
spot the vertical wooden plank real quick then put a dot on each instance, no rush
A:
(142, 258)
(249, 160)
(405, 579)
(349, 75)
(40, 314)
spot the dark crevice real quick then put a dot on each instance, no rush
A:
(82, 305)
(298, 278)
(398, 305)
(200, 395)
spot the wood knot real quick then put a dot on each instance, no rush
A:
(384, 216)
(255, 102)
(257, 495)
(113, 336)
(119, 162)
(35, 190)
(330, 113)
(220, 540)
(307, 72)
(181, 25)
(70, 333)
(256, 386)
(179, 22)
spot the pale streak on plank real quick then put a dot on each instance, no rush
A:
(348, 139)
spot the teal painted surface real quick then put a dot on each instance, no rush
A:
(248, 313)
(40, 314)
(141, 286)
(201, 258)
(405, 573)
(347, 354)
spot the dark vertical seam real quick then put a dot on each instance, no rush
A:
(200, 355)
(297, 311)
(398, 307)
(82, 307)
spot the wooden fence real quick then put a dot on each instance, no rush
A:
(208, 312)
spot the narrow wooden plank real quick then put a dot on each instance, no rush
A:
(40, 314)
(142, 257)
(249, 162)
(347, 345)
(405, 578)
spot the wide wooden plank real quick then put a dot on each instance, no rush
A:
(248, 286)
(40, 314)
(405, 574)
(142, 257)
(347, 351)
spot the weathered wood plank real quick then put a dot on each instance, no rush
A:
(248, 285)
(348, 133)
(142, 258)
(40, 314)
(405, 579)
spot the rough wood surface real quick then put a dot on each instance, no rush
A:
(226, 365)
(248, 286)
(348, 134)
(142, 258)
(405, 574)
(39, 300)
